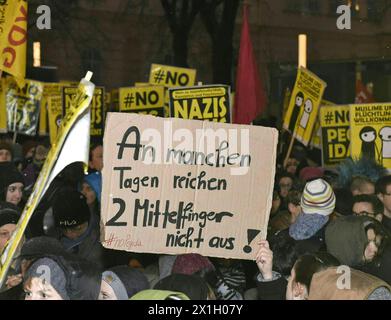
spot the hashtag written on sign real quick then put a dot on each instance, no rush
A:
(329, 118)
(129, 100)
(159, 76)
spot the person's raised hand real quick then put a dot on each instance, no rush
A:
(264, 260)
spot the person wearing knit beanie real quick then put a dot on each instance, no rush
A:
(11, 183)
(191, 263)
(79, 229)
(311, 173)
(8, 221)
(70, 209)
(91, 188)
(45, 280)
(122, 282)
(317, 203)
(5, 152)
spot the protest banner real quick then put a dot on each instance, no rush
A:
(142, 84)
(144, 100)
(43, 120)
(107, 102)
(97, 107)
(54, 104)
(49, 90)
(316, 139)
(210, 102)
(3, 109)
(304, 105)
(23, 105)
(115, 100)
(370, 129)
(72, 145)
(13, 38)
(177, 186)
(169, 76)
(335, 124)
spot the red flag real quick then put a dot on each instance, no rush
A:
(362, 93)
(250, 97)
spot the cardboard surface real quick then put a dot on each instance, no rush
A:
(198, 194)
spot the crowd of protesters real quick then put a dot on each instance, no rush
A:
(328, 237)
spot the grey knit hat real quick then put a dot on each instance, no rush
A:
(49, 270)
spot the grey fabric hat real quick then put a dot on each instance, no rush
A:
(49, 270)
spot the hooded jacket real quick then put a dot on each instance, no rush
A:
(324, 286)
(83, 278)
(346, 239)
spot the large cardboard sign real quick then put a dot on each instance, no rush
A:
(335, 124)
(97, 107)
(370, 127)
(143, 99)
(176, 186)
(304, 105)
(23, 106)
(169, 76)
(202, 103)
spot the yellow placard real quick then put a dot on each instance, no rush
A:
(169, 76)
(142, 84)
(13, 38)
(3, 109)
(145, 100)
(49, 90)
(23, 106)
(107, 101)
(316, 139)
(55, 116)
(370, 127)
(201, 103)
(97, 107)
(335, 128)
(115, 100)
(304, 105)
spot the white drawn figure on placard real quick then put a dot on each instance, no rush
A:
(368, 143)
(296, 111)
(385, 135)
(306, 114)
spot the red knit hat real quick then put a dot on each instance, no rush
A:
(311, 173)
(191, 263)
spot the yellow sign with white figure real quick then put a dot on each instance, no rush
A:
(304, 104)
(370, 126)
